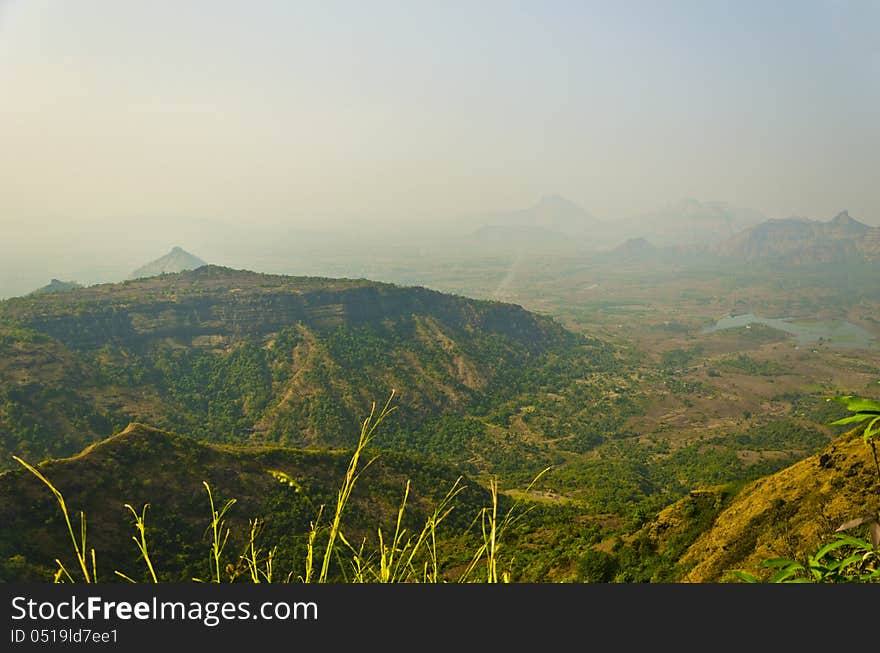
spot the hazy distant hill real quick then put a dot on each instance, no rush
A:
(56, 286)
(553, 224)
(554, 213)
(177, 260)
(686, 222)
(800, 240)
(634, 248)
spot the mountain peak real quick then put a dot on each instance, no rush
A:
(559, 214)
(844, 218)
(177, 260)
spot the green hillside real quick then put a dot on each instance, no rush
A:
(145, 465)
(237, 357)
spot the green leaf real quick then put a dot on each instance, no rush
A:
(783, 575)
(743, 576)
(780, 562)
(847, 562)
(855, 542)
(831, 546)
(852, 419)
(859, 404)
(870, 431)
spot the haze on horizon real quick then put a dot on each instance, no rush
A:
(121, 120)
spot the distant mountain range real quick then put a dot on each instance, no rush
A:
(686, 222)
(552, 226)
(556, 221)
(799, 240)
(177, 260)
(681, 231)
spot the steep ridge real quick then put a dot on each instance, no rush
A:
(786, 514)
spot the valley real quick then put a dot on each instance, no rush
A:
(610, 378)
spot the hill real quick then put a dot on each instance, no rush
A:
(177, 260)
(785, 514)
(552, 224)
(788, 513)
(552, 213)
(684, 223)
(142, 465)
(235, 356)
(56, 285)
(804, 241)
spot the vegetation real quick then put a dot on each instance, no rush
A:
(748, 365)
(844, 559)
(270, 375)
(406, 557)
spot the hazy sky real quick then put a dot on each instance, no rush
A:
(315, 111)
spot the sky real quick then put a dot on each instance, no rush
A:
(318, 113)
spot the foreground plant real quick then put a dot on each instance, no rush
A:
(79, 547)
(140, 542)
(408, 556)
(493, 530)
(864, 410)
(846, 559)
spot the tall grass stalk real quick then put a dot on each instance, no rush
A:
(251, 555)
(493, 530)
(368, 429)
(310, 548)
(429, 534)
(397, 559)
(219, 537)
(79, 548)
(405, 557)
(141, 541)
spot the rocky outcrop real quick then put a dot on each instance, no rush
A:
(800, 241)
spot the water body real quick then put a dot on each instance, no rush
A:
(838, 333)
